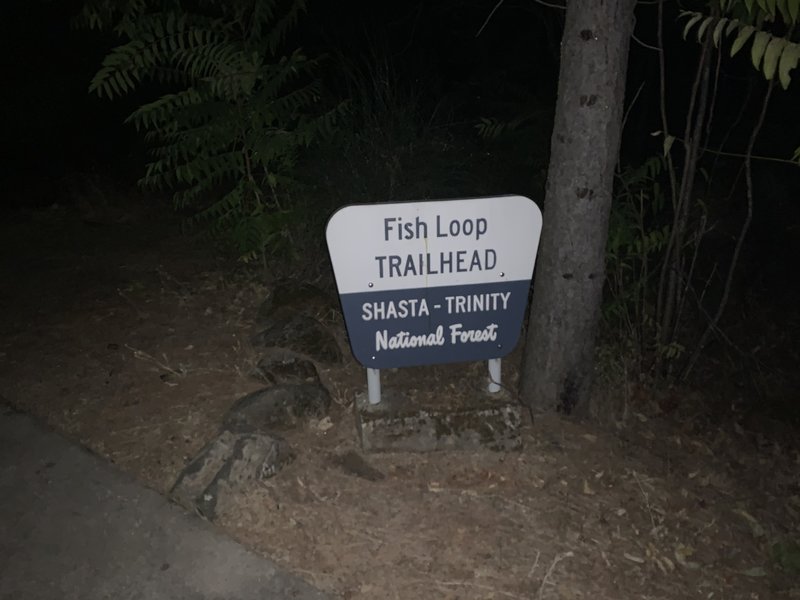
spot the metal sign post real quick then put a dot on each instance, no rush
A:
(374, 386)
(495, 375)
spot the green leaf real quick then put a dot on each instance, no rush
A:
(759, 46)
(787, 555)
(741, 38)
(788, 61)
(771, 55)
(771, 6)
(691, 22)
(703, 26)
(793, 7)
(731, 26)
(782, 10)
(749, 5)
(668, 141)
(718, 30)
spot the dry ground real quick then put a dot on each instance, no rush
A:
(134, 342)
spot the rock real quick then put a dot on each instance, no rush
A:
(198, 474)
(301, 334)
(283, 366)
(279, 407)
(298, 297)
(228, 462)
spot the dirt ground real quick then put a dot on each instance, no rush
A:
(134, 341)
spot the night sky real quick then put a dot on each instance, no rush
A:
(51, 126)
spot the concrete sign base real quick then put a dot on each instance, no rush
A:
(473, 422)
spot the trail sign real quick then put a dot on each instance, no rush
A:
(434, 282)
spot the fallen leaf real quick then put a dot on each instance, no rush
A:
(634, 558)
(682, 554)
(755, 527)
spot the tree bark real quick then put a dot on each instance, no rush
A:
(559, 352)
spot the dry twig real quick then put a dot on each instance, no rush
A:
(646, 500)
(556, 560)
(535, 564)
(146, 357)
(477, 586)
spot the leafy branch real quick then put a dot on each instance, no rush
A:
(770, 53)
(227, 135)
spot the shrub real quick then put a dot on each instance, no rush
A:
(227, 134)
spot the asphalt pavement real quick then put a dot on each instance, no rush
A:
(73, 526)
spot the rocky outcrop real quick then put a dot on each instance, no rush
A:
(292, 340)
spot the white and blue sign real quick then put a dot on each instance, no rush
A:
(434, 282)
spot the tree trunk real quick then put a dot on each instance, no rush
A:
(558, 365)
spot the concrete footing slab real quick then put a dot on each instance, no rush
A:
(466, 422)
